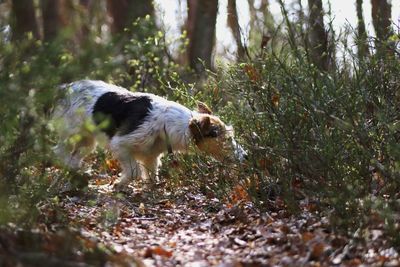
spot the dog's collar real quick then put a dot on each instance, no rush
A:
(168, 141)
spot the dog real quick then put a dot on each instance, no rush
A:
(139, 128)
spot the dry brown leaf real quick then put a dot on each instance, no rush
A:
(112, 164)
(252, 72)
(317, 251)
(354, 262)
(275, 99)
(157, 250)
(307, 236)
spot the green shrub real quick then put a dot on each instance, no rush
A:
(331, 137)
(30, 72)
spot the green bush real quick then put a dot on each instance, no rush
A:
(30, 72)
(330, 137)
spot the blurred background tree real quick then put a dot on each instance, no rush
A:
(233, 24)
(24, 19)
(124, 12)
(381, 19)
(318, 35)
(202, 16)
(361, 38)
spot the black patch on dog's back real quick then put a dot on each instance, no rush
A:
(120, 113)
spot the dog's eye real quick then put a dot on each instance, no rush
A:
(213, 133)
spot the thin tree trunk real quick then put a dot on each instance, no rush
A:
(84, 31)
(233, 23)
(53, 19)
(261, 27)
(202, 16)
(362, 43)
(24, 19)
(125, 12)
(317, 35)
(381, 19)
(253, 17)
(269, 23)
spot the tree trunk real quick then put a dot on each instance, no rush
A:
(24, 19)
(317, 35)
(202, 16)
(362, 43)
(125, 12)
(54, 18)
(262, 24)
(84, 31)
(233, 23)
(381, 19)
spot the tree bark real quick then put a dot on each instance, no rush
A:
(317, 35)
(381, 19)
(24, 19)
(202, 16)
(233, 23)
(85, 29)
(262, 24)
(362, 43)
(125, 12)
(54, 18)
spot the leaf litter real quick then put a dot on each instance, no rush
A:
(157, 228)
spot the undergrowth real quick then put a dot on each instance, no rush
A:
(326, 136)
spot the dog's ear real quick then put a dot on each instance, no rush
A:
(203, 108)
(199, 127)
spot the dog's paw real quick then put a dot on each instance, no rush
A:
(121, 187)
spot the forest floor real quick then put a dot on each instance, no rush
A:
(183, 228)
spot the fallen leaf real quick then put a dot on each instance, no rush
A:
(317, 251)
(112, 165)
(240, 242)
(157, 250)
(307, 236)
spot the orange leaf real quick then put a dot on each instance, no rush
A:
(355, 262)
(157, 250)
(307, 236)
(317, 251)
(252, 73)
(275, 99)
(101, 181)
(239, 194)
(112, 164)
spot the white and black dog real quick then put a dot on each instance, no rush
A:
(140, 127)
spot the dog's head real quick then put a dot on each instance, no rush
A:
(213, 137)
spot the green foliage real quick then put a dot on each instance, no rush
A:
(330, 136)
(31, 71)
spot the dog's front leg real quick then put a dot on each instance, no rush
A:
(130, 167)
(150, 167)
